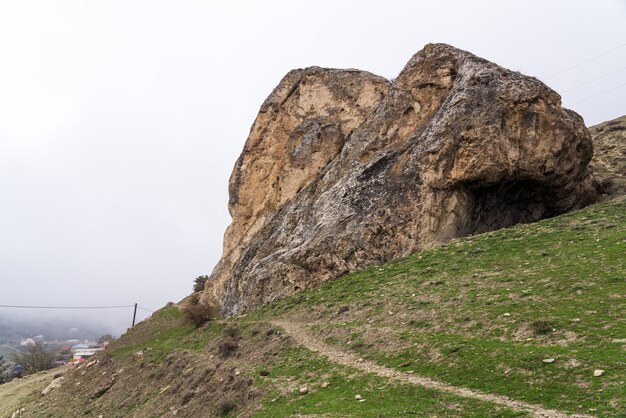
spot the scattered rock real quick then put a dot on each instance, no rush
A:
(103, 388)
(358, 397)
(407, 363)
(304, 390)
(138, 355)
(324, 385)
(53, 385)
(548, 360)
(598, 372)
(343, 309)
(506, 314)
(17, 413)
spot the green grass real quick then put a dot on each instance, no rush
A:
(165, 333)
(467, 313)
(481, 312)
(382, 397)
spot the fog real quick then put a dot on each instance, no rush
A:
(14, 329)
(120, 121)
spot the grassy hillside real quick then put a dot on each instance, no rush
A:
(484, 312)
(528, 312)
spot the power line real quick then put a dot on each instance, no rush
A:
(65, 307)
(585, 62)
(599, 94)
(594, 79)
(75, 307)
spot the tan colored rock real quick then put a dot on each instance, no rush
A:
(301, 127)
(343, 169)
(609, 160)
(53, 385)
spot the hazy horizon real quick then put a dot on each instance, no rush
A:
(120, 121)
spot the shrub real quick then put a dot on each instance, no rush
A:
(198, 283)
(229, 344)
(227, 347)
(199, 313)
(233, 332)
(226, 405)
(541, 327)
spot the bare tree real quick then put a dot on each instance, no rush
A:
(105, 338)
(34, 358)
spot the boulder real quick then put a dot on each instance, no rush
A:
(56, 382)
(344, 169)
(609, 160)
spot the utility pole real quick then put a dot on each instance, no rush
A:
(134, 315)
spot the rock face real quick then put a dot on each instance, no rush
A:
(609, 161)
(343, 169)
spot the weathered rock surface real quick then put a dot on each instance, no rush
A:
(609, 160)
(343, 169)
(56, 383)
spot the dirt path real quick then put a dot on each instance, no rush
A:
(19, 391)
(302, 336)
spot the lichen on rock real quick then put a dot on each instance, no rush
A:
(344, 169)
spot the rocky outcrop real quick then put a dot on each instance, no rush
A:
(609, 160)
(343, 169)
(301, 127)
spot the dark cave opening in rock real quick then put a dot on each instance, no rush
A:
(506, 204)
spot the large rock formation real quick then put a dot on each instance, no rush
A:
(343, 169)
(609, 160)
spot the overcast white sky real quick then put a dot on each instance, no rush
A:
(120, 121)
